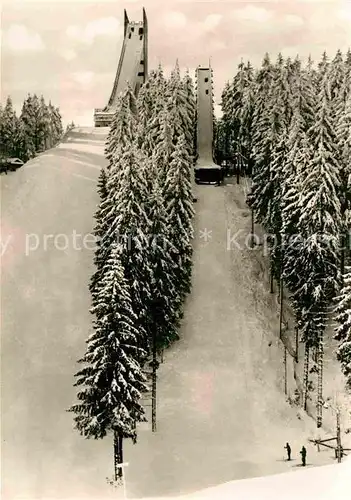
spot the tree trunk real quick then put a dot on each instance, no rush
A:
(285, 372)
(338, 437)
(306, 376)
(342, 256)
(118, 455)
(252, 228)
(320, 381)
(281, 307)
(272, 281)
(296, 344)
(154, 380)
(238, 168)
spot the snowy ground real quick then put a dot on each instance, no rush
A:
(222, 413)
(45, 319)
(319, 483)
(334, 392)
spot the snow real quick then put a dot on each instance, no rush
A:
(322, 483)
(222, 414)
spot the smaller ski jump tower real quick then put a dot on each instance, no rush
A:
(132, 67)
(205, 169)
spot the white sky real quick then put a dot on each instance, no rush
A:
(69, 50)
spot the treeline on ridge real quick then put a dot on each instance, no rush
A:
(39, 127)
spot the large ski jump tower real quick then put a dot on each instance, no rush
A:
(132, 67)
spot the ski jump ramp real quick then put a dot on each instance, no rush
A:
(205, 169)
(132, 67)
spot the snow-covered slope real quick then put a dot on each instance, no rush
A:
(319, 483)
(45, 317)
(221, 409)
(222, 413)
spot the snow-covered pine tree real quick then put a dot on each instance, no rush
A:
(343, 332)
(161, 155)
(43, 127)
(36, 112)
(56, 127)
(280, 112)
(261, 141)
(29, 120)
(343, 133)
(336, 76)
(246, 131)
(297, 161)
(319, 201)
(260, 193)
(174, 81)
(99, 231)
(190, 101)
(153, 133)
(220, 141)
(127, 221)
(297, 167)
(20, 147)
(158, 85)
(322, 72)
(124, 125)
(8, 129)
(232, 103)
(306, 95)
(179, 207)
(347, 64)
(241, 84)
(112, 380)
(122, 136)
(177, 107)
(156, 98)
(292, 264)
(262, 86)
(144, 106)
(320, 226)
(165, 299)
(225, 123)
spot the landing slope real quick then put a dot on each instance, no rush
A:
(222, 414)
(319, 483)
(45, 318)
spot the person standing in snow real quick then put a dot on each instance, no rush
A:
(288, 450)
(303, 454)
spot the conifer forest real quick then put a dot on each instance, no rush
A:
(38, 128)
(288, 126)
(143, 257)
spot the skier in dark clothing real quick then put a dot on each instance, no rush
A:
(288, 450)
(303, 453)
